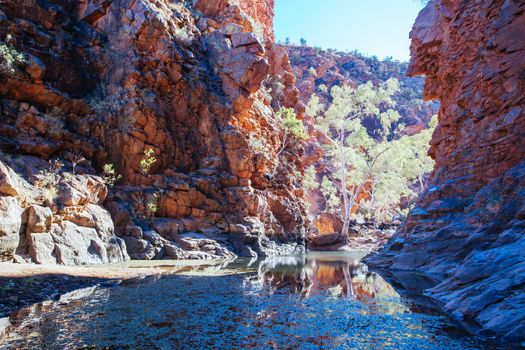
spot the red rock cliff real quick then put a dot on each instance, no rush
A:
(109, 80)
(467, 229)
(472, 55)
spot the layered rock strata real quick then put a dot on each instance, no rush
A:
(467, 229)
(188, 82)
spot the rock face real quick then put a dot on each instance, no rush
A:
(61, 222)
(190, 81)
(468, 227)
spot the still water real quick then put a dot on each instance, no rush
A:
(327, 300)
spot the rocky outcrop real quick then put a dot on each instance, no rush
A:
(467, 229)
(187, 83)
(54, 218)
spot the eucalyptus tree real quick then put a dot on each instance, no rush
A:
(353, 148)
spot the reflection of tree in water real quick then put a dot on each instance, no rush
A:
(279, 274)
(311, 276)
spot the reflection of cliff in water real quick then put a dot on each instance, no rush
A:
(315, 301)
(311, 275)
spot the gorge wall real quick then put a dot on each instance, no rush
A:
(107, 81)
(468, 228)
(314, 67)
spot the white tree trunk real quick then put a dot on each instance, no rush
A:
(344, 191)
(350, 203)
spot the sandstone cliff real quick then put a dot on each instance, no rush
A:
(467, 229)
(110, 80)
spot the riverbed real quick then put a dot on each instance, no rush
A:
(319, 300)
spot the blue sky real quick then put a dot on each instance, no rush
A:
(374, 27)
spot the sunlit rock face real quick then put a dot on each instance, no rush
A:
(468, 227)
(108, 80)
(65, 225)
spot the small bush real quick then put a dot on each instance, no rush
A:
(257, 144)
(110, 174)
(49, 178)
(9, 56)
(56, 122)
(147, 163)
(68, 177)
(291, 123)
(152, 205)
(310, 178)
(113, 107)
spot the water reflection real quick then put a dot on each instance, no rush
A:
(308, 302)
(335, 275)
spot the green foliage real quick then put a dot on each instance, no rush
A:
(330, 194)
(292, 126)
(310, 178)
(314, 107)
(152, 205)
(148, 161)
(303, 41)
(392, 163)
(110, 174)
(9, 56)
(357, 68)
(291, 123)
(274, 86)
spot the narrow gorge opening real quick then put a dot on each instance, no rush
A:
(366, 118)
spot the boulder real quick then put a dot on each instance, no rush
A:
(41, 248)
(77, 245)
(139, 249)
(83, 190)
(9, 181)
(10, 227)
(39, 219)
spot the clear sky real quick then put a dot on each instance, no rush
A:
(374, 27)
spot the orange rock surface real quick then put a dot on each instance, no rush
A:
(110, 80)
